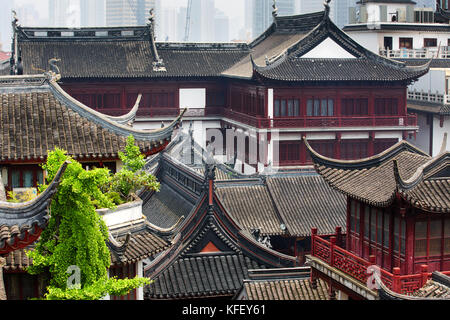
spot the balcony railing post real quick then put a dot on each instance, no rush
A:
(338, 236)
(424, 273)
(396, 284)
(332, 244)
(313, 235)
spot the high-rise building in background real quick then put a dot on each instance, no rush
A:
(93, 13)
(64, 13)
(5, 26)
(221, 27)
(202, 21)
(262, 12)
(128, 12)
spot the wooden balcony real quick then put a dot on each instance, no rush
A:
(409, 120)
(336, 258)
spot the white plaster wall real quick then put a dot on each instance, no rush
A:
(355, 135)
(270, 102)
(367, 39)
(389, 135)
(124, 213)
(438, 133)
(328, 49)
(321, 136)
(422, 140)
(193, 98)
(373, 39)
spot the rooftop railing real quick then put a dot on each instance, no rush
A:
(423, 53)
(420, 95)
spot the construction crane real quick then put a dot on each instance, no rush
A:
(188, 20)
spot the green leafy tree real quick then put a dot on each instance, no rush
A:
(131, 177)
(76, 235)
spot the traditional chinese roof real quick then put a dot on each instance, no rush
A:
(277, 54)
(435, 108)
(209, 241)
(297, 201)
(402, 169)
(429, 187)
(134, 242)
(294, 64)
(437, 288)
(22, 223)
(37, 116)
(122, 52)
(282, 284)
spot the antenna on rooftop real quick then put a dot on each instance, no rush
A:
(188, 21)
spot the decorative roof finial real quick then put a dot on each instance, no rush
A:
(15, 19)
(151, 18)
(275, 9)
(54, 72)
(158, 64)
(326, 4)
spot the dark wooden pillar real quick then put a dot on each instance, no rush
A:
(409, 249)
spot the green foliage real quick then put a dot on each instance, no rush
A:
(131, 177)
(112, 286)
(132, 158)
(26, 196)
(76, 235)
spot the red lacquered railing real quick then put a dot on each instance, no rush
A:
(358, 268)
(306, 122)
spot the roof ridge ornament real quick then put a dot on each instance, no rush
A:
(158, 63)
(275, 10)
(54, 74)
(326, 4)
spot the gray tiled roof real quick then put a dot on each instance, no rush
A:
(289, 289)
(38, 116)
(308, 201)
(371, 180)
(166, 207)
(201, 276)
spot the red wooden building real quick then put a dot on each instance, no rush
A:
(397, 219)
(302, 76)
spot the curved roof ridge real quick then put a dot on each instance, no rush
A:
(326, 28)
(420, 173)
(18, 210)
(105, 121)
(365, 162)
(130, 116)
